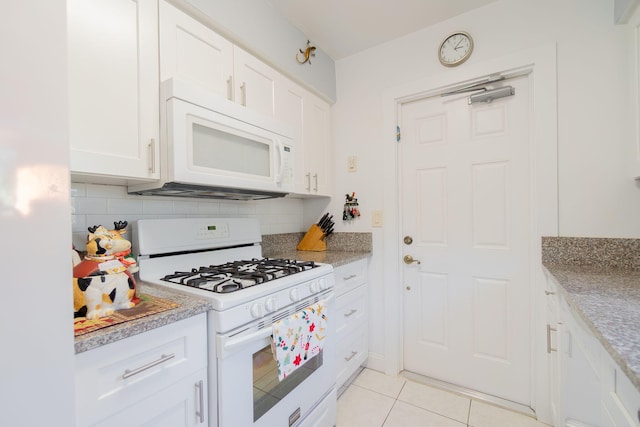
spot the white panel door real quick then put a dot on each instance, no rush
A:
(465, 191)
(191, 51)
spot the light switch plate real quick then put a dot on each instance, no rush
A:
(376, 219)
(352, 164)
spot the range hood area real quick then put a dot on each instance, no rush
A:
(177, 189)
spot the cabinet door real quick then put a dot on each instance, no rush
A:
(580, 370)
(184, 404)
(113, 87)
(191, 51)
(289, 110)
(317, 139)
(255, 82)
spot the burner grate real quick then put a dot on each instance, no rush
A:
(236, 275)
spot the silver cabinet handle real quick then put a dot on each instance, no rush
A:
(230, 88)
(549, 329)
(351, 313)
(308, 181)
(129, 373)
(353, 354)
(200, 409)
(152, 156)
(350, 277)
(549, 293)
(315, 177)
(243, 93)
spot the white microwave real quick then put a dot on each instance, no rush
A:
(214, 148)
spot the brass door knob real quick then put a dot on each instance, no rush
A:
(408, 259)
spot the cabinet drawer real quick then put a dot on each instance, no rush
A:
(351, 311)
(115, 376)
(352, 352)
(350, 275)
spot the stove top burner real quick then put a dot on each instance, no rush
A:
(237, 275)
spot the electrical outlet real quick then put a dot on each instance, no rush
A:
(352, 164)
(376, 219)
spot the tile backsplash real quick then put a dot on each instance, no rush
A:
(93, 204)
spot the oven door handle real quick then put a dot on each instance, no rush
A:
(229, 345)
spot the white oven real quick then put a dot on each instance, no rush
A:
(250, 393)
(220, 259)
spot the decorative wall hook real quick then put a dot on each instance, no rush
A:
(306, 54)
(351, 210)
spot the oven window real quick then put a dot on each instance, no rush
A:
(267, 389)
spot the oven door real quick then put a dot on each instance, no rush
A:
(249, 391)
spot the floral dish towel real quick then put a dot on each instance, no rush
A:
(299, 337)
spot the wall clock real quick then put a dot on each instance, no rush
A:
(455, 49)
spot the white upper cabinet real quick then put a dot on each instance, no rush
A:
(316, 135)
(255, 82)
(113, 87)
(309, 116)
(191, 51)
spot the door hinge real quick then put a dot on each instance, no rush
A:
(398, 135)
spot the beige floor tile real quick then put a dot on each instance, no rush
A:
(359, 407)
(435, 400)
(379, 382)
(485, 415)
(405, 415)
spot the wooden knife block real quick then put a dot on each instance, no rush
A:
(313, 240)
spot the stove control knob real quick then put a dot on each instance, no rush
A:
(323, 284)
(314, 287)
(257, 310)
(294, 294)
(270, 305)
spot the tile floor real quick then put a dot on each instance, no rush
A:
(377, 400)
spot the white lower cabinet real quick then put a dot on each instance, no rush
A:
(351, 319)
(157, 378)
(588, 388)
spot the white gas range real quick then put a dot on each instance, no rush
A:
(220, 259)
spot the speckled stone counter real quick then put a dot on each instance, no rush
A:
(603, 288)
(189, 306)
(342, 248)
(335, 258)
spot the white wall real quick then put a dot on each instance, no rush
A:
(103, 204)
(36, 319)
(596, 130)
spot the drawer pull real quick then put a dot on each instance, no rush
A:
(353, 354)
(128, 373)
(200, 411)
(353, 310)
(353, 276)
(549, 329)
(549, 293)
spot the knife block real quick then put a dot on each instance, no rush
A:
(313, 240)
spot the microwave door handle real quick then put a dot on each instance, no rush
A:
(280, 168)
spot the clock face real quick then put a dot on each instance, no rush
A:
(455, 49)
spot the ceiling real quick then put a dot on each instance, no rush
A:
(342, 28)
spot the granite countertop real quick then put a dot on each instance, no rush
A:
(342, 248)
(335, 258)
(189, 306)
(607, 299)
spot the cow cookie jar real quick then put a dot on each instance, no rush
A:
(103, 281)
